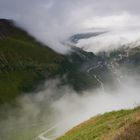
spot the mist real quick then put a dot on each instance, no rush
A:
(112, 40)
(54, 110)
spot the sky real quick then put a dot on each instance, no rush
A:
(53, 21)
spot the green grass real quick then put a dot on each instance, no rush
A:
(116, 125)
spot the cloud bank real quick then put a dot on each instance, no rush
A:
(53, 21)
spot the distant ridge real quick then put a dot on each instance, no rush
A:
(75, 38)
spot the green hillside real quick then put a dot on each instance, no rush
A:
(23, 61)
(116, 125)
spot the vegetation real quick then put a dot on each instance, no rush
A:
(116, 125)
(25, 63)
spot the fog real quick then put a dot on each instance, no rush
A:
(54, 110)
(111, 40)
(53, 21)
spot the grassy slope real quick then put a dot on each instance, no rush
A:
(23, 62)
(119, 125)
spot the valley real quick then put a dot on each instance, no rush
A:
(43, 94)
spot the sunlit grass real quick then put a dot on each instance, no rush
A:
(109, 126)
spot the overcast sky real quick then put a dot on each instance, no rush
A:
(52, 21)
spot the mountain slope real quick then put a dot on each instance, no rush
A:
(25, 63)
(117, 125)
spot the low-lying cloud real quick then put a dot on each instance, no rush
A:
(111, 40)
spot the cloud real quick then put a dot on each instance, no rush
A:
(53, 21)
(112, 40)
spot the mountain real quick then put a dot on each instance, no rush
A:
(116, 125)
(25, 64)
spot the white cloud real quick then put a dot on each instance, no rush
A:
(52, 21)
